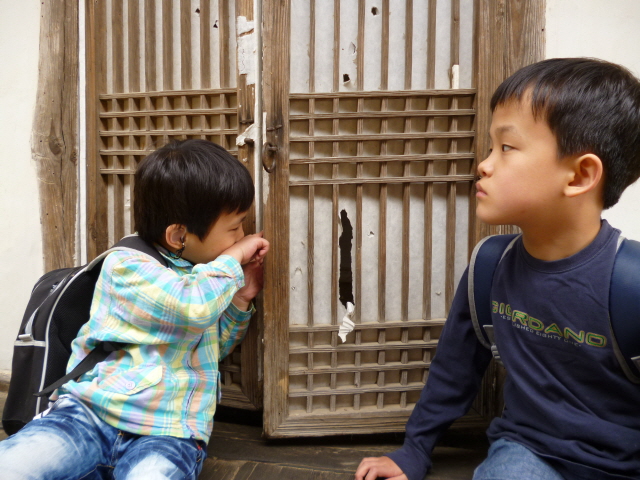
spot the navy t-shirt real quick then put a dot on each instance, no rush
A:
(566, 397)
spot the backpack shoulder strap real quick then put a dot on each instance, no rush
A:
(95, 356)
(134, 242)
(485, 258)
(104, 349)
(624, 307)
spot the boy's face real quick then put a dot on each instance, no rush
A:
(522, 179)
(226, 231)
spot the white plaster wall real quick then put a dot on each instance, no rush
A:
(608, 30)
(20, 243)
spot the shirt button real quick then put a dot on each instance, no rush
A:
(130, 385)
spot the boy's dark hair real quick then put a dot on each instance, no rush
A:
(591, 106)
(188, 182)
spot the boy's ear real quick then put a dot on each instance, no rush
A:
(174, 235)
(585, 175)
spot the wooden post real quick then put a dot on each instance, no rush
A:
(55, 131)
(251, 346)
(276, 32)
(96, 39)
(510, 36)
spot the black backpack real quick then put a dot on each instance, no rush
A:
(59, 305)
(624, 298)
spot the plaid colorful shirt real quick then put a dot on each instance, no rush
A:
(179, 322)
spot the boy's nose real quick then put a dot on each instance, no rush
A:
(484, 167)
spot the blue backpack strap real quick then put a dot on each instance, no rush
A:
(484, 260)
(624, 308)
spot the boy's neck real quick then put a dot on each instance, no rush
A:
(555, 242)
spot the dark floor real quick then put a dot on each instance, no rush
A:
(237, 451)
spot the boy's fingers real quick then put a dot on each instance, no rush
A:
(373, 467)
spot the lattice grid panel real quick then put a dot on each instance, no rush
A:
(400, 165)
(133, 125)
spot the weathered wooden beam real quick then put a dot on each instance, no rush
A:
(275, 80)
(510, 36)
(55, 131)
(251, 353)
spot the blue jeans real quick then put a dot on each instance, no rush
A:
(509, 460)
(71, 443)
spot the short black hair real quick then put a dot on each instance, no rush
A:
(188, 182)
(591, 106)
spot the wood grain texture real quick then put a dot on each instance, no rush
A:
(167, 45)
(186, 65)
(431, 44)
(276, 21)
(510, 36)
(224, 53)
(150, 67)
(251, 350)
(117, 46)
(95, 38)
(54, 140)
(134, 33)
(205, 43)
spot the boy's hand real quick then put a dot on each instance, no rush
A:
(252, 285)
(248, 249)
(373, 467)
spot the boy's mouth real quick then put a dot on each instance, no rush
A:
(479, 190)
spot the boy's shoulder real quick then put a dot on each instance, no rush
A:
(623, 292)
(131, 258)
(128, 260)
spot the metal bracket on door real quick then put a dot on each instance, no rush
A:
(269, 150)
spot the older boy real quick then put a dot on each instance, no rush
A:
(565, 141)
(146, 412)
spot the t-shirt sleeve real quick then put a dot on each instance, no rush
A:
(454, 378)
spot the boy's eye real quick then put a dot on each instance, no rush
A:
(506, 148)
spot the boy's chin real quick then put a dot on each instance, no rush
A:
(487, 218)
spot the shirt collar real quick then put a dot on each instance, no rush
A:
(178, 262)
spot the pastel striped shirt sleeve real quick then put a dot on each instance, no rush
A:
(146, 303)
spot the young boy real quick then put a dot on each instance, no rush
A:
(565, 141)
(147, 410)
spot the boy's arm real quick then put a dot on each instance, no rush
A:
(232, 328)
(454, 378)
(148, 303)
(235, 320)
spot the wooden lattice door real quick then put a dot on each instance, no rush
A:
(371, 110)
(159, 70)
(370, 128)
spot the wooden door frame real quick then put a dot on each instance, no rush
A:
(275, 158)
